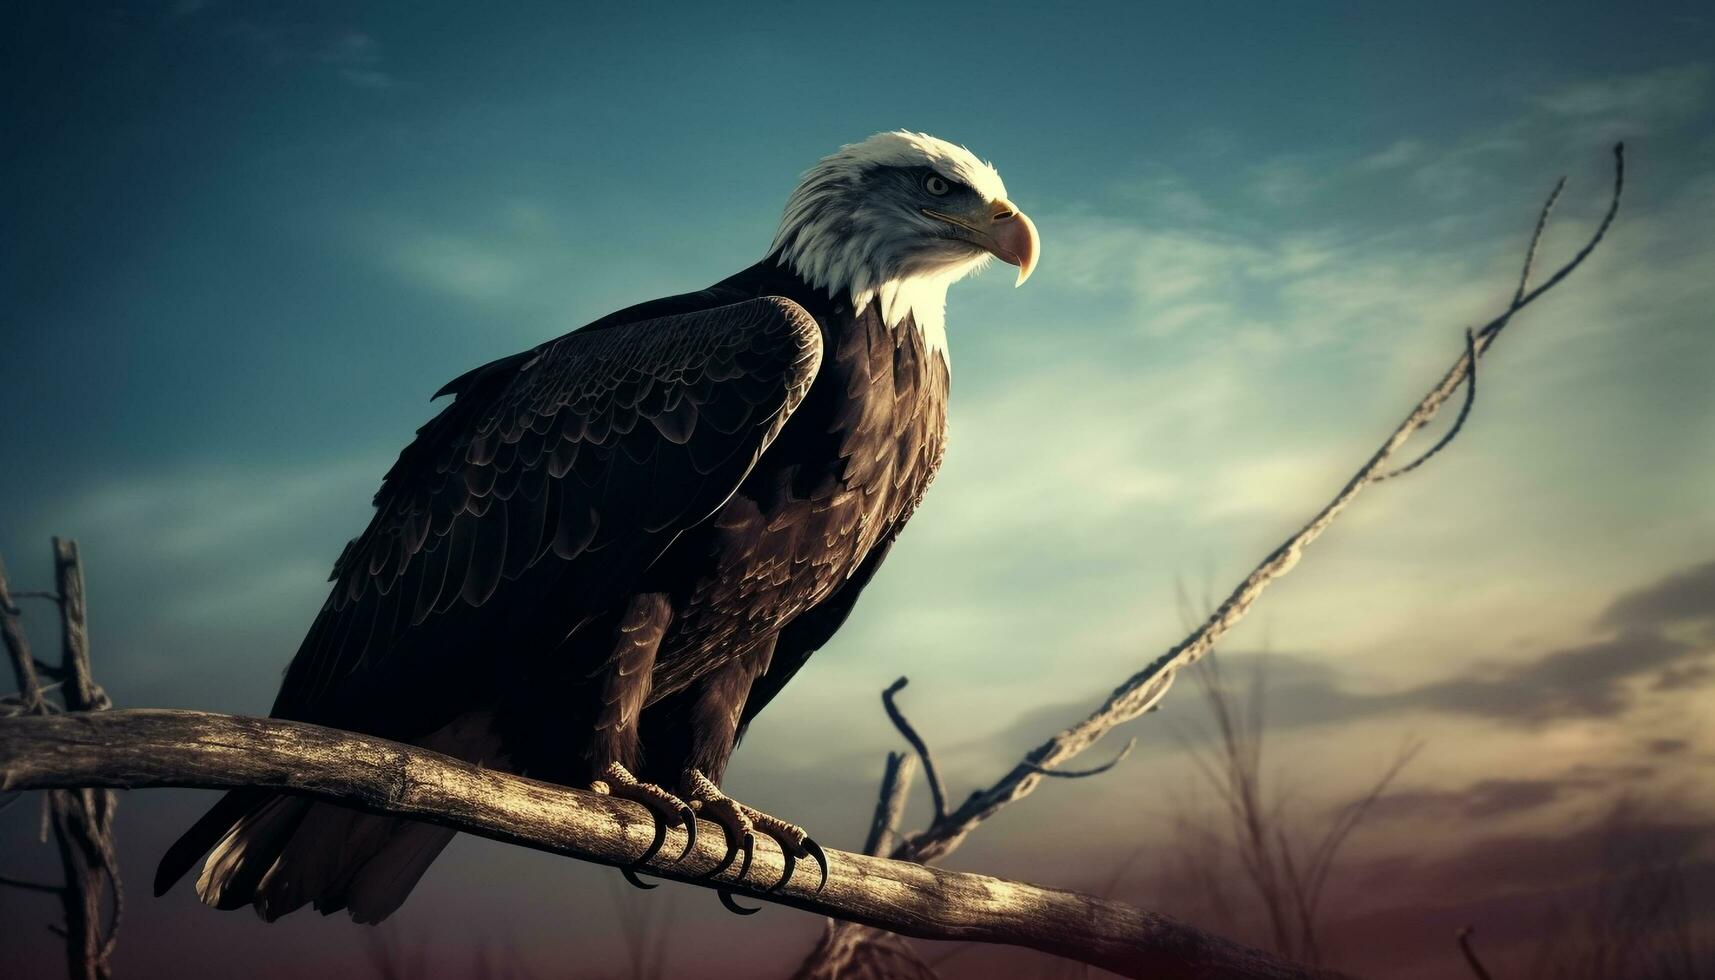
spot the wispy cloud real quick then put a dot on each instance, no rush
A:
(353, 55)
(1634, 100)
(509, 256)
(1399, 153)
(1685, 596)
(1599, 679)
(357, 58)
(1284, 182)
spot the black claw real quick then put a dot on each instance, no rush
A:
(786, 875)
(731, 854)
(630, 875)
(749, 848)
(733, 906)
(654, 845)
(689, 818)
(816, 852)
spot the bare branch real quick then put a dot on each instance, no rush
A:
(29, 886)
(1536, 237)
(937, 789)
(1482, 972)
(18, 649)
(1458, 423)
(890, 804)
(847, 950)
(82, 694)
(145, 748)
(81, 818)
(53, 597)
(1145, 689)
(1589, 246)
(1097, 771)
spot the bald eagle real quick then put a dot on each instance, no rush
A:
(609, 552)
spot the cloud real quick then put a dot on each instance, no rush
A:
(508, 256)
(1484, 799)
(357, 58)
(1581, 682)
(1592, 680)
(1665, 93)
(1397, 154)
(1284, 182)
(1686, 596)
(352, 55)
(1166, 193)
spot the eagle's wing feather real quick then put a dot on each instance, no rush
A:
(548, 486)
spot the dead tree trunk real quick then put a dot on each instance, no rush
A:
(82, 817)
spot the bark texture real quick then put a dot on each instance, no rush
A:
(134, 749)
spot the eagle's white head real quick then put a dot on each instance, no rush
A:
(898, 218)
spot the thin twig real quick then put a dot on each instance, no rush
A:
(1458, 423)
(18, 648)
(53, 597)
(1471, 955)
(1097, 771)
(1536, 239)
(83, 694)
(937, 790)
(31, 886)
(890, 803)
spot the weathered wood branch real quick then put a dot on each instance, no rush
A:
(134, 749)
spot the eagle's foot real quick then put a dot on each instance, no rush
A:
(740, 831)
(618, 782)
(742, 823)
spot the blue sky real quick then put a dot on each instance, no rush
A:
(245, 242)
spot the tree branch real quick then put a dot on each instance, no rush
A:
(146, 748)
(1470, 954)
(890, 804)
(18, 650)
(30, 886)
(937, 789)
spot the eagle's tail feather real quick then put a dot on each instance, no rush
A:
(249, 850)
(204, 834)
(287, 852)
(339, 858)
(280, 853)
(384, 881)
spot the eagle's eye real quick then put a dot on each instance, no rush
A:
(936, 185)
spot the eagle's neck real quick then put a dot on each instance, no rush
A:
(868, 266)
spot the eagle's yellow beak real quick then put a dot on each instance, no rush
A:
(1012, 238)
(1002, 230)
